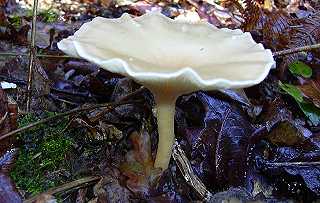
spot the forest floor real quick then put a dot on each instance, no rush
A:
(80, 141)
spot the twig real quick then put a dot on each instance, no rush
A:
(286, 164)
(13, 54)
(3, 118)
(38, 55)
(297, 49)
(53, 56)
(74, 111)
(32, 53)
(188, 174)
(83, 182)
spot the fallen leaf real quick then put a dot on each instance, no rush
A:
(312, 112)
(138, 166)
(108, 189)
(292, 91)
(218, 145)
(8, 122)
(233, 195)
(3, 18)
(3, 2)
(8, 191)
(310, 175)
(7, 160)
(300, 69)
(46, 198)
(287, 134)
(311, 90)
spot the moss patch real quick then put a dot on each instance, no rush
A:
(42, 162)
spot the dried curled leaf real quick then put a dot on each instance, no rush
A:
(219, 144)
(7, 160)
(8, 192)
(8, 121)
(278, 30)
(138, 166)
(311, 90)
(284, 152)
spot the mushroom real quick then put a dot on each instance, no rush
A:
(170, 58)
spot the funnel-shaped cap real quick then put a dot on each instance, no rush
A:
(155, 50)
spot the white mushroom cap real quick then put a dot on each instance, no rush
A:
(171, 57)
(153, 50)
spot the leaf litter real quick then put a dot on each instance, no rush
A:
(261, 143)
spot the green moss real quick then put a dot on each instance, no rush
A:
(43, 152)
(47, 16)
(15, 20)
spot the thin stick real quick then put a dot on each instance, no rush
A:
(32, 53)
(73, 111)
(284, 164)
(53, 56)
(38, 55)
(188, 174)
(110, 106)
(83, 182)
(3, 118)
(295, 50)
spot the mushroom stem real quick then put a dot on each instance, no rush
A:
(165, 106)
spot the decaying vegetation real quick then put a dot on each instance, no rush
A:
(90, 135)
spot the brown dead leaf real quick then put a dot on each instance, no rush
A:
(138, 167)
(108, 189)
(3, 2)
(8, 121)
(106, 3)
(311, 90)
(7, 160)
(3, 18)
(46, 198)
(288, 134)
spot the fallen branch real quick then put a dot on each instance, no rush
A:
(32, 53)
(297, 49)
(109, 107)
(38, 55)
(83, 182)
(288, 164)
(188, 174)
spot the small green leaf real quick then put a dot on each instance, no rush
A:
(301, 69)
(292, 90)
(311, 111)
